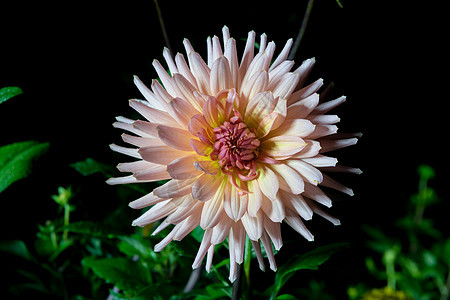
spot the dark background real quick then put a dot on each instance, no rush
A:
(75, 64)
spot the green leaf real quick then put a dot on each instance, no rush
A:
(16, 247)
(16, 161)
(310, 260)
(339, 3)
(286, 297)
(426, 172)
(132, 246)
(7, 93)
(90, 166)
(92, 229)
(122, 272)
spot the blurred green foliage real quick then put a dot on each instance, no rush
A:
(416, 264)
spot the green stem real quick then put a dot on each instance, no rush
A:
(302, 30)
(163, 27)
(66, 221)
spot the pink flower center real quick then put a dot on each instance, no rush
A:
(236, 148)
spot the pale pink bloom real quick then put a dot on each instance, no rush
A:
(242, 143)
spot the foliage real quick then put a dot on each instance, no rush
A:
(7, 93)
(418, 263)
(16, 160)
(112, 262)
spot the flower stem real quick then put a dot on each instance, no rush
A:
(237, 284)
(163, 27)
(66, 221)
(302, 30)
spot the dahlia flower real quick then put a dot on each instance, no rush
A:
(241, 144)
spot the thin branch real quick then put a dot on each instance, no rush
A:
(163, 27)
(302, 30)
(237, 284)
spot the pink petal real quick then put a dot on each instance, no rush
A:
(268, 247)
(237, 237)
(153, 115)
(315, 193)
(204, 246)
(201, 148)
(294, 127)
(235, 206)
(327, 106)
(186, 90)
(253, 226)
(308, 172)
(303, 108)
(153, 100)
(213, 211)
(283, 54)
(274, 210)
(305, 92)
(284, 145)
(311, 149)
(316, 209)
(268, 182)
(156, 212)
(254, 198)
(158, 172)
(133, 152)
(211, 112)
(331, 183)
(201, 72)
(256, 245)
(160, 154)
(206, 186)
(175, 137)
(288, 178)
(220, 75)
(207, 166)
(231, 55)
(330, 145)
(296, 203)
(145, 201)
(247, 56)
(258, 108)
(304, 70)
(221, 230)
(286, 85)
(293, 220)
(164, 77)
(273, 229)
(188, 224)
(184, 69)
(182, 111)
(175, 188)
(183, 167)
(321, 131)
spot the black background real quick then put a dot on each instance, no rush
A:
(75, 63)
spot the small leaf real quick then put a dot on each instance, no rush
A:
(7, 93)
(16, 161)
(310, 260)
(16, 247)
(122, 272)
(91, 166)
(132, 246)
